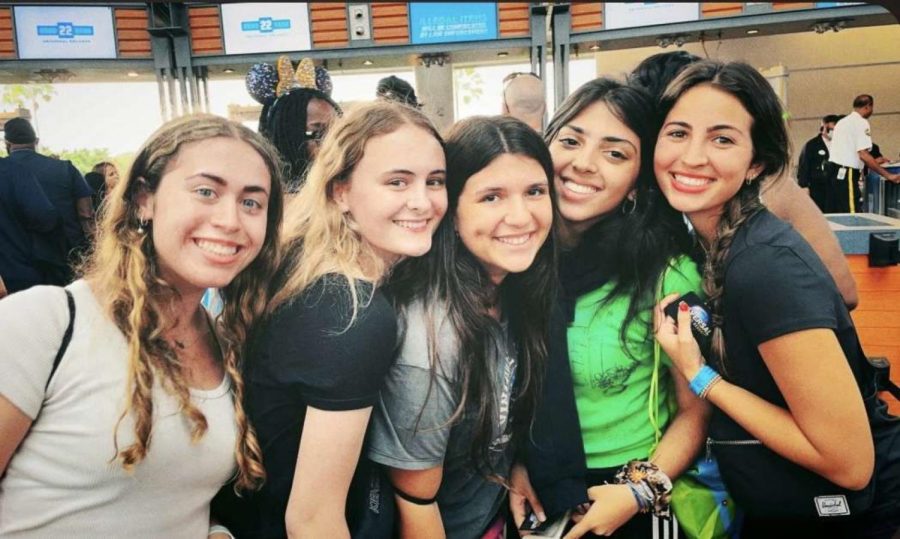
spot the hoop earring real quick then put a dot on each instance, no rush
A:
(629, 211)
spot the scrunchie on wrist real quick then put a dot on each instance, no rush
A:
(651, 487)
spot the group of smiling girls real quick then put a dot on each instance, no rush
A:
(454, 312)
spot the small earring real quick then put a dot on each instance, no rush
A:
(629, 211)
(143, 224)
(349, 221)
(748, 181)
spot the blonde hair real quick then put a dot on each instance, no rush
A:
(318, 238)
(123, 270)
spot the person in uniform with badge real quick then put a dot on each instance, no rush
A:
(813, 159)
(850, 147)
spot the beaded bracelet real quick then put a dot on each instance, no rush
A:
(703, 381)
(705, 393)
(649, 483)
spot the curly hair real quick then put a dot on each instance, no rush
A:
(125, 273)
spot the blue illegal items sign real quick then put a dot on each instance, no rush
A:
(65, 30)
(265, 25)
(449, 22)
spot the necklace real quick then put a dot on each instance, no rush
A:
(183, 345)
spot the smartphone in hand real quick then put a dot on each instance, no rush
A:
(552, 528)
(701, 321)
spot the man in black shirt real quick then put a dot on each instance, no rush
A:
(64, 187)
(24, 211)
(811, 168)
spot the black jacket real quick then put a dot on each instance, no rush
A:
(554, 455)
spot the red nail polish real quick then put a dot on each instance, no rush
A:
(683, 306)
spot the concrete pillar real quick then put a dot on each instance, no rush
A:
(778, 77)
(434, 88)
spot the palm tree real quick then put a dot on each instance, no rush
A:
(22, 94)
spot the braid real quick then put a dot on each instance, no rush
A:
(741, 207)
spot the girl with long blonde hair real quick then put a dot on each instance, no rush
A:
(374, 195)
(121, 401)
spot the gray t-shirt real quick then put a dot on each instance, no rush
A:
(407, 436)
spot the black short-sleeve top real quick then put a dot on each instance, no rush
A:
(775, 284)
(310, 352)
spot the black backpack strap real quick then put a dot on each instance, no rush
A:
(67, 336)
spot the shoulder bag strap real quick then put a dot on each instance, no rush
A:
(653, 400)
(67, 336)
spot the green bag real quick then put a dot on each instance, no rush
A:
(700, 502)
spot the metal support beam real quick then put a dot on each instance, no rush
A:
(537, 55)
(561, 22)
(171, 47)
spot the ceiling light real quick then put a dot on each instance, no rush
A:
(502, 54)
(752, 32)
(228, 70)
(595, 47)
(368, 62)
(132, 74)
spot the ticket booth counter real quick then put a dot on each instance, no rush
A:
(877, 317)
(882, 196)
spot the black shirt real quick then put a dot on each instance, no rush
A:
(63, 185)
(308, 353)
(24, 212)
(775, 284)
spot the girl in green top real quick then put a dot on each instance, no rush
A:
(624, 242)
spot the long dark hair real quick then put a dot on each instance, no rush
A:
(451, 278)
(771, 147)
(284, 124)
(633, 243)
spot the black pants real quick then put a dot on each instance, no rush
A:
(846, 192)
(821, 191)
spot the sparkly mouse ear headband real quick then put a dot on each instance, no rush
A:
(265, 82)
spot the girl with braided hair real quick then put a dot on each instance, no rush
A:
(139, 420)
(297, 111)
(796, 407)
(295, 123)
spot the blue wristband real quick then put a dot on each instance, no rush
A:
(703, 379)
(642, 504)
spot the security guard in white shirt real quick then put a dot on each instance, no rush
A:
(850, 146)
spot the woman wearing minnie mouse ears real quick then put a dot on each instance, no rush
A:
(297, 111)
